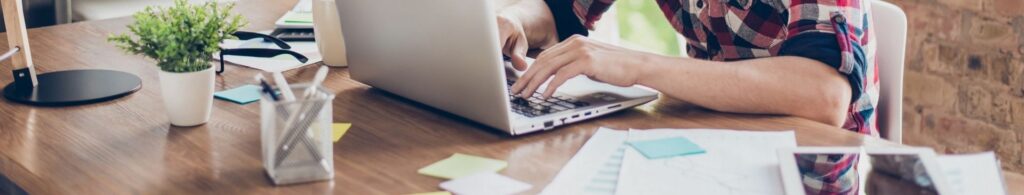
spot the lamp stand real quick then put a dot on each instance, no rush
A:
(61, 88)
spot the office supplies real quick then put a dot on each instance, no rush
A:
(294, 34)
(595, 167)
(485, 183)
(285, 124)
(282, 85)
(977, 173)
(60, 88)
(736, 162)
(274, 47)
(279, 63)
(338, 130)
(459, 165)
(302, 120)
(433, 193)
(207, 150)
(299, 17)
(296, 127)
(266, 88)
(874, 170)
(667, 147)
(240, 95)
(383, 55)
(318, 78)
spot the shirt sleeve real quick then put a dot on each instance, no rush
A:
(829, 31)
(574, 17)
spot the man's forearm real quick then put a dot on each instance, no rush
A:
(777, 85)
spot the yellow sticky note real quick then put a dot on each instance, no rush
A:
(433, 193)
(338, 130)
(459, 165)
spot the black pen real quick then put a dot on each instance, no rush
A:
(266, 87)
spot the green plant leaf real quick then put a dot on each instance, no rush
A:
(182, 37)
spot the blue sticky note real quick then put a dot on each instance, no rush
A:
(668, 147)
(241, 95)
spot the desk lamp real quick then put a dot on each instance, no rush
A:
(60, 88)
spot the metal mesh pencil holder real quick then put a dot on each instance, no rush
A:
(296, 137)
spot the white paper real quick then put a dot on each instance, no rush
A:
(595, 167)
(736, 162)
(276, 64)
(486, 183)
(973, 173)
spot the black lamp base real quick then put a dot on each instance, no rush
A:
(75, 87)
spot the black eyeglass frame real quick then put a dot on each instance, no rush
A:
(259, 52)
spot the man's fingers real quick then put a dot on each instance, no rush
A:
(543, 60)
(542, 72)
(564, 74)
(518, 54)
(564, 46)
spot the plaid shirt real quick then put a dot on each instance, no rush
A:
(730, 30)
(834, 32)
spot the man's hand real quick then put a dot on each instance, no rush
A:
(513, 40)
(525, 25)
(580, 55)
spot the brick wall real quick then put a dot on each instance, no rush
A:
(964, 84)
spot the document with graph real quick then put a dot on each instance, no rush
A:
(595, 168)
(735, 162)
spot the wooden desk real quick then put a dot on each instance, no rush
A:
(127, 147)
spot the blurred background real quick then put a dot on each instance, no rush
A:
(964, 80)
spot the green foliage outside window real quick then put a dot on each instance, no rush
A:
(642, 25)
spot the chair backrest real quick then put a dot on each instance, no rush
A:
(890, 30)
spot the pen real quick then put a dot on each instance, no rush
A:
(321, 74)
(282, 85)
(266, 87)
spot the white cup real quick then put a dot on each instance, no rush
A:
(327, 30)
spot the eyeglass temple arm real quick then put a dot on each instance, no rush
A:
(244, 35)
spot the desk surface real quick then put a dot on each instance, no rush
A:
(127, 147)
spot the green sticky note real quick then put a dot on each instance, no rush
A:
(240, 95)
(668, 147)
(299, 17)
(459, 165)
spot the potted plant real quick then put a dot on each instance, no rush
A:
(182, 40)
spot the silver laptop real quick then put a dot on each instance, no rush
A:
(445, 54)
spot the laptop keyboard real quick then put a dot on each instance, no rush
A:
(536, 106)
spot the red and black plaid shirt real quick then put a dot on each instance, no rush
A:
(835, 32)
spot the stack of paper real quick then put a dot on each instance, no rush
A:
(736, 162)
(675, 162)
(595, 168)
(300, 17)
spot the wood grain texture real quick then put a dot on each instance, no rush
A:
(14, 20)
(127, 146)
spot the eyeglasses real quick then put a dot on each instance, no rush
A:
(259, 52)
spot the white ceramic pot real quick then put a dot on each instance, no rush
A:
(188, 97)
